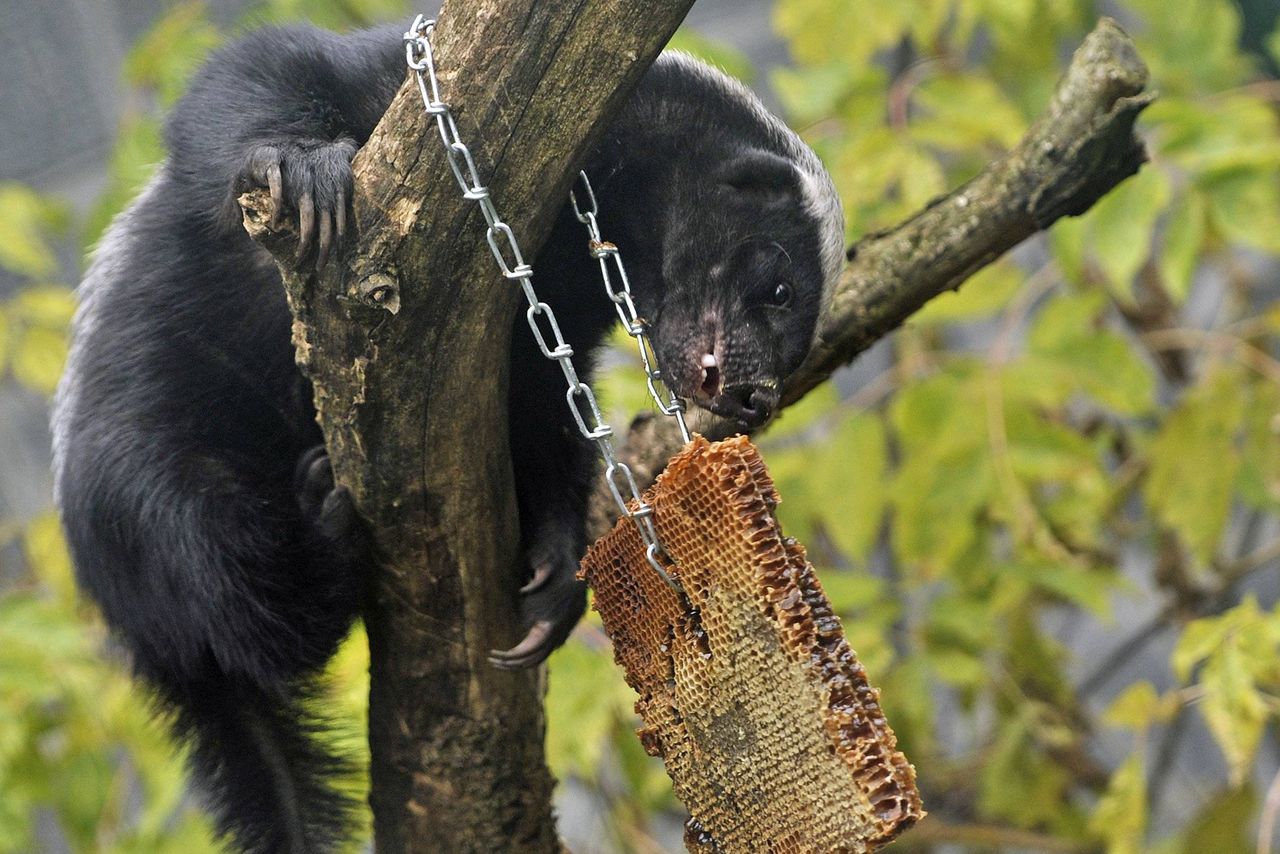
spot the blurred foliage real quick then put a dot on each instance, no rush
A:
(1056, 413)
(957, 505)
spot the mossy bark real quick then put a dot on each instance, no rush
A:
(406, 343)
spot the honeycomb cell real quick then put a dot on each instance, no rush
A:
(772, 736)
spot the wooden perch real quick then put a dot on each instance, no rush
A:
(406, 343)
(1077, 151)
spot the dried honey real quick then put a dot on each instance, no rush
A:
(772, 736)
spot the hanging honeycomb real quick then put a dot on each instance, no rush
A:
(773, 738)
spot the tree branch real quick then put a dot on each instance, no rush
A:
(1077, 151)
(406, 343)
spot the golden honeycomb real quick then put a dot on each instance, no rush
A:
(773, 738)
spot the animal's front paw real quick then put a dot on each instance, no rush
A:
(314, 182)
(551, 605)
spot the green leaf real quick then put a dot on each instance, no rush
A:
(164, 59)
(621, 386)
(47, 555)
(6, 337)
(44, 305)
(1019, 784)
(810, 94)
(982, 295)
(1182, 241)
(1209, 137)
(1067, 239)
(1245, 207)
(1121, 225)
(1139, 706)
(850, 471)
(1233, 708)
(26, 221)
(1239, 649)
(960, 669)
(1120, 818)
(816, 35)
(966, 112)
(946, 478)
(1194, 460)
(1202, 637)
(1259, 482)
(38, 357)
(1222, 826)
(1191, 45)
(794, 421)
(835, 482)
(138, 149)
(1089, 590)
(1066, 345)
(885, 177)
(586, 700)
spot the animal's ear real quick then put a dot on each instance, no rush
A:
(761, 176)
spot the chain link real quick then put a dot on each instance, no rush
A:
(506, 252)
(635, 325)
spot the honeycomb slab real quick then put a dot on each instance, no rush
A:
(772, 736)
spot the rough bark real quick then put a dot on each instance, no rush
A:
(406, 343)
(1077, 151)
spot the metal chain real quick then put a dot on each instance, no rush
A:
(636, 326)
(506, 251)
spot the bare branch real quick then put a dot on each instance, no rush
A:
(1082, 147)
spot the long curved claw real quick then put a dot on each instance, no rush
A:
(529, 652)
(326, 238)
(306, 223)
(340, 213)
(540, 578)
(275, 183)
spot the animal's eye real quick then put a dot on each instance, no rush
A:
(781, 295)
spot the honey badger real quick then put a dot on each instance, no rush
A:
(191, 476)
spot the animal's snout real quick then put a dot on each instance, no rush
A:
(749, 404)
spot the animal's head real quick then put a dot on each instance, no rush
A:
(747, 249)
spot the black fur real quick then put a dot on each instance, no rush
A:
(196, 495)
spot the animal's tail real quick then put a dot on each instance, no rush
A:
(269, 781)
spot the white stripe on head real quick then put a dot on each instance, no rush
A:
(822, 202)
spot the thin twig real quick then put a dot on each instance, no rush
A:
(1191, 339)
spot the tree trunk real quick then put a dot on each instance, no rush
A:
(406, 342)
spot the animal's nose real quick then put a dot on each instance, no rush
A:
(747, 403)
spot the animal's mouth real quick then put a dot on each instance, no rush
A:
(749, 405)
(712, 383)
